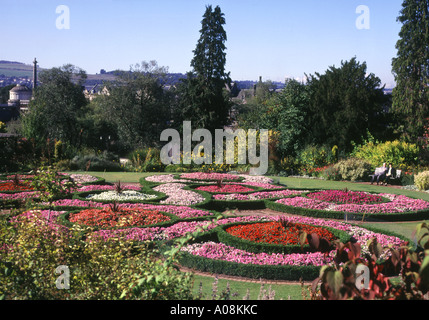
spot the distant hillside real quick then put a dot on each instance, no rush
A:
(15, 69)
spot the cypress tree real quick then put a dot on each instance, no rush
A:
(410, 102)
(202, 95)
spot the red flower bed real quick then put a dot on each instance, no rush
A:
(226, 188)
(275, 233)
(108, 218)
(14, 186)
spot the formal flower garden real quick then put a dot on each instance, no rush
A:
(168, 207)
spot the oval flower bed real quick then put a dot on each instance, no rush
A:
(389, 207)
(120, 217)
(218, 257)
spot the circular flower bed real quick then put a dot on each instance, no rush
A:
(121, 217)
(218, 257)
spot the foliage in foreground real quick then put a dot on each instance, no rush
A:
(346, 278)
(32, 248)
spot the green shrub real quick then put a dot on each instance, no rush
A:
(146, 160)
(31, 249)
(422, 180)
(401, 154)
(353, 169)
(316, 156)
(105, 161)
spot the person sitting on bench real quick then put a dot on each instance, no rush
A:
(390, 173)
(380, 174)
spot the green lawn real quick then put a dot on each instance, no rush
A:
(288, 291)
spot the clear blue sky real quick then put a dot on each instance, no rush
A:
(274, 39)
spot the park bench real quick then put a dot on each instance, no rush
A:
(378, 171)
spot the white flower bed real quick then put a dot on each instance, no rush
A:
(127, 195)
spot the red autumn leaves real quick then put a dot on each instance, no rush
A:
(275, 233)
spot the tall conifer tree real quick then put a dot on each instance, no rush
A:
(202, 95)
(411, 69)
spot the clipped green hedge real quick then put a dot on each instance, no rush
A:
(252, 271)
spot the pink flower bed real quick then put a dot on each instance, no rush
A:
(209, 176)
(19, 195)
(107, 187)
(258, 195)
(178, 196)
(226, 188)
(341, 196)
(397, 204)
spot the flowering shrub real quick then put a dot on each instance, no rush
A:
(421, 180)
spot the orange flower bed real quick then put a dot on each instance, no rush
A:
(13, 186)
(108, 218)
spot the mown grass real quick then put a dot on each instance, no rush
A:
(282, 291)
